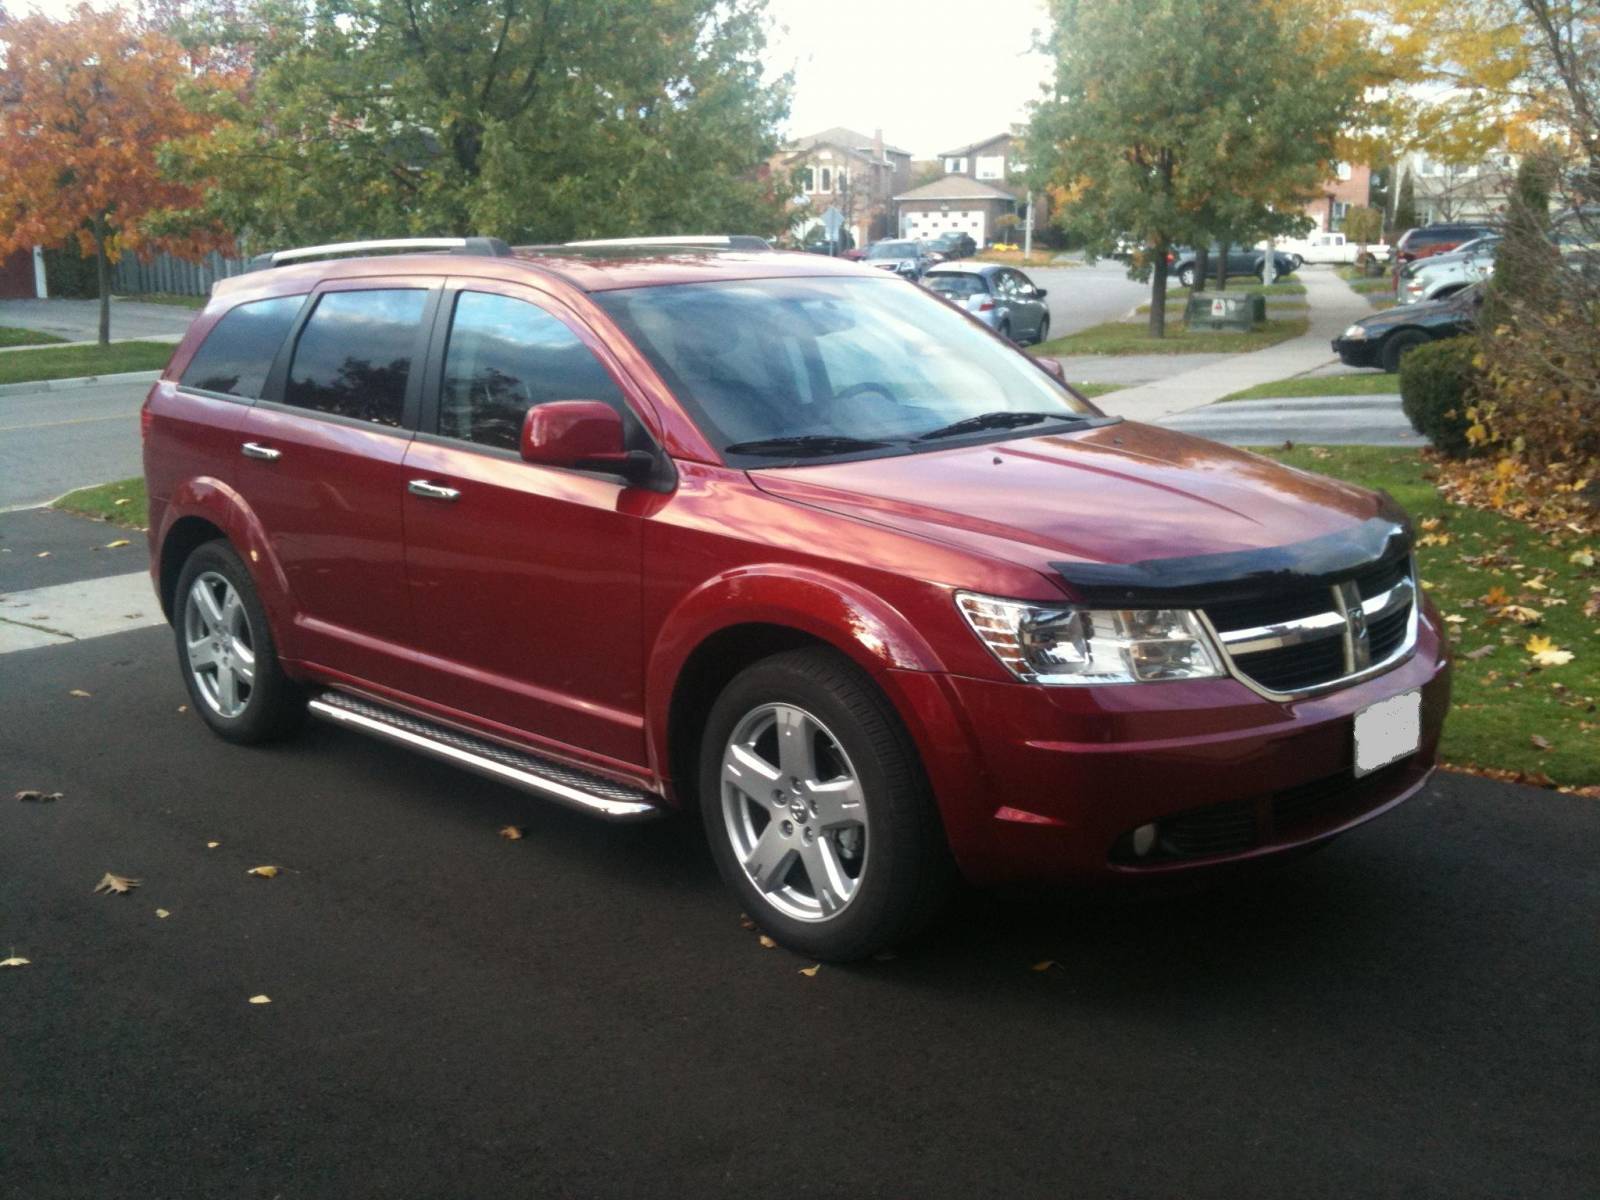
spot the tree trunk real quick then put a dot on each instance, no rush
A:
(102, 273)
(1158, 291)
(1222, 266)
(1202, 268)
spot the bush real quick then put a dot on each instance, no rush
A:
(1437, 385)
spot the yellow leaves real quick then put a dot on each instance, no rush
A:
(262, 999)
(13, 961)
(1496, 597)
(1536, 583)
(1041, 967)
(1540, 743)
(80, 693)
(511, 833)
(1434, 539)
(267, 872)
(162, 914)
(1582, 558)
(212, 845)
(811, 971)
(118, 884)
(1546, 653)
(118, 544)
(766, 942)
(1521, 614)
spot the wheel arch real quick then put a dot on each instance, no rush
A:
(186, 535)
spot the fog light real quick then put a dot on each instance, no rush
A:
(1144, 840)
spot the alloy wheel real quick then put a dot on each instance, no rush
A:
(795, 812)
(219, 643)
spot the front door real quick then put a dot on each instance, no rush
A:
(320, 459)
(524, 579)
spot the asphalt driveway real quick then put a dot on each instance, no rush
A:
(1410, 1012)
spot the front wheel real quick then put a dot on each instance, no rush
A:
(1186, 276)
(1401, 344)
(1044, 329)
(225, 650)
(816, 808)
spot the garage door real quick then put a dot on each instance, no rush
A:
(932, 224)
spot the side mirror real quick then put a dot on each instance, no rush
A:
(1040, 293)
(584, 434)
(1051, 367)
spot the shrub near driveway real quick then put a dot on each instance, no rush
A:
(1437, 382)
(1511, 596)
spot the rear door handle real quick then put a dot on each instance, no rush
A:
(431, 491)
(265, 453)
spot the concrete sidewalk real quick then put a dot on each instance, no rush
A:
(1324, 420)
(1333, 306)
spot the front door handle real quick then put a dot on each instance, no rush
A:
(257, 450)
(431, 491)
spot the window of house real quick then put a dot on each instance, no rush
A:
(809, 179)
(1341, 171)
(991, 166)
(354, 354)
(827, 179)
(238, 352)
(955, 166)
(505, 356)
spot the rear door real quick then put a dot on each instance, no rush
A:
(320, 466)
(525, 580)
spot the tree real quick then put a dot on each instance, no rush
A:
(530, 119)
(96, 103)
(1179, 120)
(1363, 226)
(1405, 205)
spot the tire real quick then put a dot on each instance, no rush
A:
(1044, 330)
(883, 860)
(1298, 262)
(1398, 345)
(1186, 276)
(1004, 330)
(261, 704)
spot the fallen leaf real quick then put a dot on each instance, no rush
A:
(79, 692)
(212, 845)
(1429, 523)
(1455, 619)
(1581, 558)
(13, 961)
(1540, 743)
(1480, 652)
(116, 883)
(42, 554)
(117, 545)
(1535, 583)
(810, 971)
(746, 923)
(120, 502)
(1434, 539)
(1045, 965)
(183, 708)
(511, 833)
(1546, 653)
(260, 999)
(29, 796)
(767, 943)
(1496, 596)
(264, 872)
(1521, 615)
(1591, 606)
(162, 913)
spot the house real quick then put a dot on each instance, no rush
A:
(840, 168)
(22, 275)
(1476, 193)
(1350, 187)
(978, 189)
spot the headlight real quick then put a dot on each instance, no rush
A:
(1058, 645)
(1354, 334)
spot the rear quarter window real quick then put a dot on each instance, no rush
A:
(238, 352)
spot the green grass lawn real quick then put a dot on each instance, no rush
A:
(1091, 390)
(68, 362)
(26, 337)
(1129, 337)
(121, 503)
(168, 298)
(1371, 383)
(1502, 700)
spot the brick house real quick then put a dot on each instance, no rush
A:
(977, 189)
(850, 171)
(1351, 187)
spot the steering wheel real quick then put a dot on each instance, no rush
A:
(858, 389)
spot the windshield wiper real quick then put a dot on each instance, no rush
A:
(805, 445)
(1000, 419)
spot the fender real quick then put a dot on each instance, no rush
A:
(220, 504)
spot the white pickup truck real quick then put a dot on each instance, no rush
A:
(1328, 248)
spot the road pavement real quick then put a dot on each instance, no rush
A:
(52, 441)
(79, 320)
(579, 1013)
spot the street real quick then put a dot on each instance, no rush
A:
(54, 440)
(1407, 1013)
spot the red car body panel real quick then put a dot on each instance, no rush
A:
(558, 609)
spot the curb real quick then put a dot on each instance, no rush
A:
(58, 385)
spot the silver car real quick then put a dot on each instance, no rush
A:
(1003, 298)
(1442, 275)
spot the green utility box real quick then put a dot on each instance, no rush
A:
(1220, 310)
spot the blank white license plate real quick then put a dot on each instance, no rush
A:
(1387, 731)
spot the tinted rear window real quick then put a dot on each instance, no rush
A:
(354, 354)
(238, 352)
(957, 284)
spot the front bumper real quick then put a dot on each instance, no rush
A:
(1357, 352)
(1055, 780)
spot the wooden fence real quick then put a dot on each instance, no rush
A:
(164, 273)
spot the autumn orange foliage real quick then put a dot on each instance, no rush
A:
(92, 101)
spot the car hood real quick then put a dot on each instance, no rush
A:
(1116, 494)
(1443, 311)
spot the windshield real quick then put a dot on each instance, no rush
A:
(956, 283)
(833, 361)
(893, 250)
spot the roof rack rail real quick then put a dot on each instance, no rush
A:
(725, 241)
(490, 246)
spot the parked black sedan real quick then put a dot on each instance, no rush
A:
(953, 245)
(1383, 338)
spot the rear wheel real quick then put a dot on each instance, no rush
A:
(1186, 276)
(225, 650)
(1004, 330)
(1399, 345)
(1044, 328)
(816, 808)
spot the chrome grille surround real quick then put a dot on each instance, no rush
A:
(1348, 617)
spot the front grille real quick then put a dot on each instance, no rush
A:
(1206, 832)
(1287, 655)
(1312, 803)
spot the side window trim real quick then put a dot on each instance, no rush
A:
(277, 378)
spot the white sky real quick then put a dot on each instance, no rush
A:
(932, 74)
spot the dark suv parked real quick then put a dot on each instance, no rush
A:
(782, 540)
(1183, 263)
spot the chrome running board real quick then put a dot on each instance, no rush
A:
(570, 786)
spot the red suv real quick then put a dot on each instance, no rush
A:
(786, 540)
